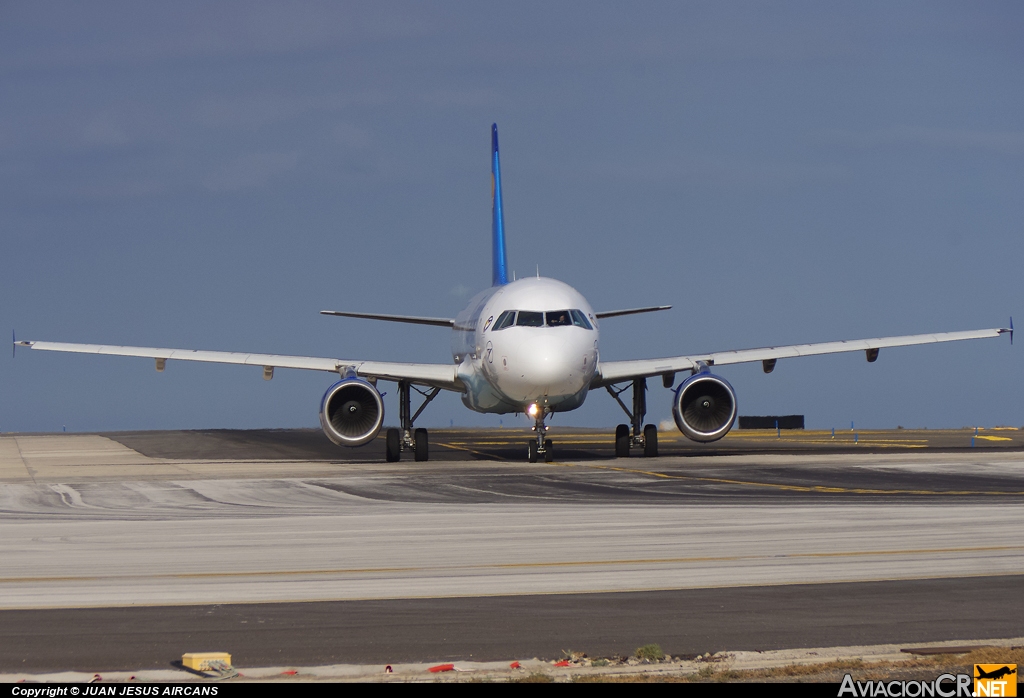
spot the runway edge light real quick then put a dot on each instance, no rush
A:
(202, 661)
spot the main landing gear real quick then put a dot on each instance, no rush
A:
(541, 448)
(645, 437)
(398, 440)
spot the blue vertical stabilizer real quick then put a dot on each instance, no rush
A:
(499, 268)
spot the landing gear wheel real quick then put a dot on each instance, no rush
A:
(622, 441)
(650, 441)
(393, 446)
(532, 452)
(549, 451)
(420, 441)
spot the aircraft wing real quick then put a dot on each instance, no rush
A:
(438, 375)
(610, 372)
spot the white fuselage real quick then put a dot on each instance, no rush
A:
(532, 341)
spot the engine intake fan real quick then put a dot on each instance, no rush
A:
(351, 412)
(704, 407)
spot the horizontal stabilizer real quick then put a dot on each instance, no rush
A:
(631, 311)
(437, 321)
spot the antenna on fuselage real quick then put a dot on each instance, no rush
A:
(538, 271)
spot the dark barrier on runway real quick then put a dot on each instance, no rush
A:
(789, 421)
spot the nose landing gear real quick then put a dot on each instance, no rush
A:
(645, 437)
(541, 447)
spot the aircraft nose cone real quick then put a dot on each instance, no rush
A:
(544, 366)
(543, 360)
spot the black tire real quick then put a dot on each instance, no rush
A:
(420, 440)
(531, 452)
(622, 441)
(549, 451)
(393, 446)
(650, 441)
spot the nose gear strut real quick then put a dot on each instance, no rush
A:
(541, 447)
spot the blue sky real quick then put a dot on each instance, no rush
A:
(212, 175)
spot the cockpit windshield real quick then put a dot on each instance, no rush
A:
(552, 318)
(528, 318)
(558, 318)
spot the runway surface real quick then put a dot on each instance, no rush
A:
(195, 537)
(570, 443)
(685, 623)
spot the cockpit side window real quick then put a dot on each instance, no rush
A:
(528, 318)
(580, 320)
(558, 318)
(506, 319)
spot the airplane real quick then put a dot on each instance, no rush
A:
(995, 673)
(527, 346)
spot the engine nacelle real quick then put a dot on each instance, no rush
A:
(704, 407)
(351, 412)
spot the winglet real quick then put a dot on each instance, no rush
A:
(14, 342)
(1011, 330)
(499, 267)
(22, 343)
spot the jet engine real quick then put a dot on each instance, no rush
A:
(704, 407)
(351, 412)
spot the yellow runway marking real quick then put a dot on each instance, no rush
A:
(864, 438)
(823, 437)
(844, 439)
(789, 488)
(849, 442)
(557, 442)
(517, 565)
(469, 450)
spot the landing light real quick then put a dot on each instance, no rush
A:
(532, 410)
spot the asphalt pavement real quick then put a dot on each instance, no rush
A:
(123, 551)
